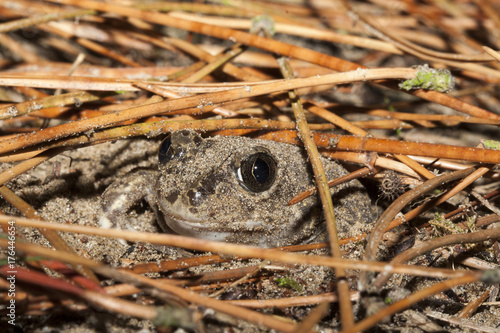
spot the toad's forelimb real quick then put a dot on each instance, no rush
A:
(122, 195)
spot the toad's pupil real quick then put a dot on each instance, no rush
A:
(261, 170)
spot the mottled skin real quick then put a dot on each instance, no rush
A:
(200, 190)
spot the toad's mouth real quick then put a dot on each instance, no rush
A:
(185, 224)
(194, 227)
(182, 221)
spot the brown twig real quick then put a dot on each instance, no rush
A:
(324, 193)
(226, 248)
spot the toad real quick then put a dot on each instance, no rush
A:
(234, 189)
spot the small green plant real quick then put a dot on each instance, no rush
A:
(440, 224)
(471, 223)
(446, 226)
(288, 282)
(430, 78)
(264, 23)
(491, 144)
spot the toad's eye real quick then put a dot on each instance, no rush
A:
(164, 153)
(257, 172)
(178, 146)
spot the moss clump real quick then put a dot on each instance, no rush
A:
(264, 23)
(431, 79)
(491, 144)
(289, 283)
